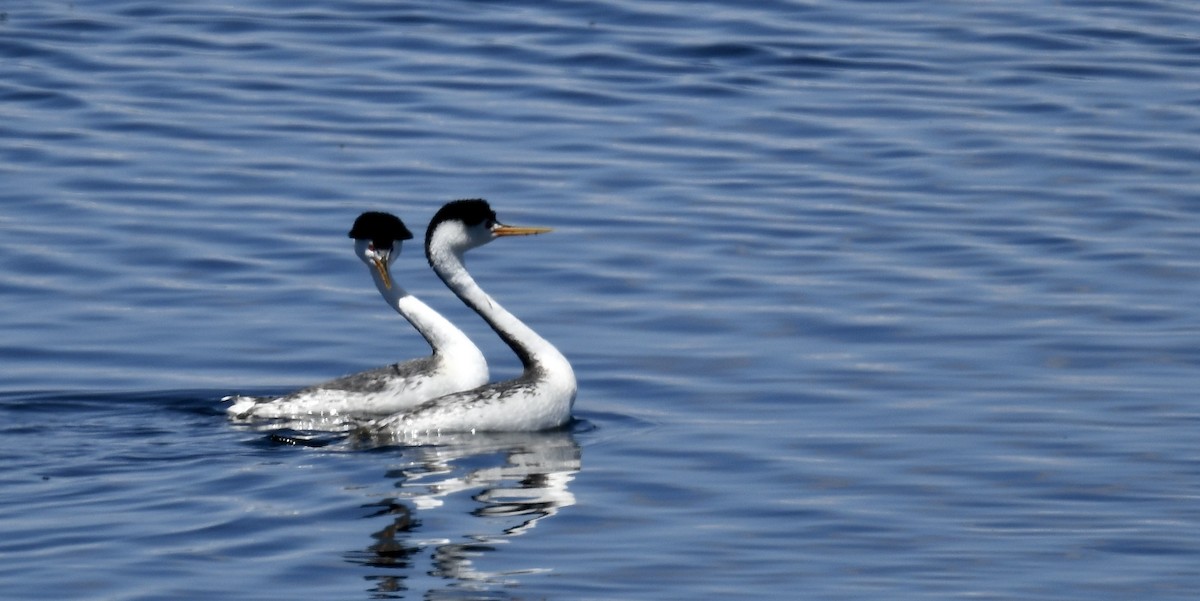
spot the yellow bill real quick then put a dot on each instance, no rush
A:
(382, 267)
(513, 230)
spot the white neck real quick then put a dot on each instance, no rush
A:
(535, 353)
(445, 339)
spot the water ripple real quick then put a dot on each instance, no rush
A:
(865, 299)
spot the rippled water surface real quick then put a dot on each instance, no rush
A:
(867, 300)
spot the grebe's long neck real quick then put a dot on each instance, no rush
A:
(536, 354)
(443, 337)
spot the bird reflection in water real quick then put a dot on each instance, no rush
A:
(506, 483)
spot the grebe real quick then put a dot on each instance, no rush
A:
(540, 399)
(456, 363)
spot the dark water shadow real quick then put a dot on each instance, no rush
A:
(484, 491)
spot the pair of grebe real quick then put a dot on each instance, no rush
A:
(447, 391)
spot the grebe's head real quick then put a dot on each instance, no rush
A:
(377, 239)
(461, 225)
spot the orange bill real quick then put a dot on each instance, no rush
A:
(381, 266)
(513, 230)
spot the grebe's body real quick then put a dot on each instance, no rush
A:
(456, 363)
(540, 398)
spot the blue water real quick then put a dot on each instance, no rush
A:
(867, 300)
